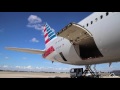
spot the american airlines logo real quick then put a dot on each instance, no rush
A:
(48, 51)
(49, 34)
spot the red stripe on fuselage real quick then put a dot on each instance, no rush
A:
(48, 51)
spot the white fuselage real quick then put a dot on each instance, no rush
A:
(106, 34)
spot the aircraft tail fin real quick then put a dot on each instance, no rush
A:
(49, 34)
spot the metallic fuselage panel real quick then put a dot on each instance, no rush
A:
(106, 34)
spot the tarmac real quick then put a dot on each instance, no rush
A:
(4, 74)
(7, 74)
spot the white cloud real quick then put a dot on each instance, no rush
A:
(38, 27)
(24, 67)
(5, 66)
(33, 19)
(18, 66)
(47, 69)
(29, 67)
(37, 68)
(35, 22)
(34, 40)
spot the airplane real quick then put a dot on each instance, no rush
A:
(93, 40)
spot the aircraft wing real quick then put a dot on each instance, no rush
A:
(75, 33)
(34, 51)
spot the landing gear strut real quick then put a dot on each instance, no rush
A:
(89, 70)
(87, 73)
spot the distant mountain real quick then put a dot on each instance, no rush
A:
(116, 72)
(1, 70)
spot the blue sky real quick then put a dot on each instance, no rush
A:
(23, 30)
